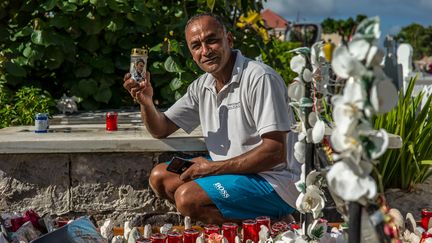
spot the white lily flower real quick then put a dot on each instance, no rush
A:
(384, 96)
(296, 90)
(348, 185)
(297, 63)
(311, 202)
(345, 65)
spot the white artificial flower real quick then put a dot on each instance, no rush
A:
(380, 141)
(345, 65)
(307, 75)
(291, 237)
(348, 185)
(312, 201)
(347, 146)
(296, 90)
(318, 131)
(374, 57)
(368, 29)
(318, 225)
(347, 108)
(359, 49)
(383, 96)
(297, 63)
(299, 151)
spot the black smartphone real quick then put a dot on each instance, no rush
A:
(179, 165)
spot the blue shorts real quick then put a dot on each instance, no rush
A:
(244, 196)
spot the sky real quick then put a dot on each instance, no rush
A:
(394, 14)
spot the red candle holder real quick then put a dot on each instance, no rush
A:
(158, 238)
(175, 237)
(263, 220)
(111, 121)
(230, 231)
(190, 235)
(250, 230)
(426, 214)
(143, 240)
(210, 229)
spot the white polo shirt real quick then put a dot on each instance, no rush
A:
(254, 102)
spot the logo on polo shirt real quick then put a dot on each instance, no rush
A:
(233, 106)
(221, 190)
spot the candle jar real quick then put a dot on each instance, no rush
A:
(111, 121)
(263, 220)
(210, 229)
(230, 231)
(426, 215)
(250, 230)
(190, 235)
(143, 240)
(425, 235)
(158, 238)
(175, 237)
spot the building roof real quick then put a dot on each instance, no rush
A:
(273, 20)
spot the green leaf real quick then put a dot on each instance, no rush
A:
(175, 83)
(87, 87)
(37, 37)
(59, 21)
(83, 71)
(211, 4)
(171, 66)
(103, 95)
(15, 69)
(68, 7)
(426, 162)
(49, 4)
(91, 43)
(156, 48)
(54, 58)
(23, 32)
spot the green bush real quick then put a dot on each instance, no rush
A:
(82, 47)
(277, 56)
(407, 166)
(21, 107)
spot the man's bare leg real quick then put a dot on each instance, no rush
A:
(163, 182)
(191, 200)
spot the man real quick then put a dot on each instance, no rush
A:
(242, 107)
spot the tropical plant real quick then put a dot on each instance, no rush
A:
(419, 37)
(410, 164)
(21, 107)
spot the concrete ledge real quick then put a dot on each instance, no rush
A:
(93, 138)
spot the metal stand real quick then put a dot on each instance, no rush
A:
(354, 224)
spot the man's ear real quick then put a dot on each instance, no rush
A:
(230, 39)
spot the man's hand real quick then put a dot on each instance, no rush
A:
(201, 167)
(141, 92)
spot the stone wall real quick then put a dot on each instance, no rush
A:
(104, 185)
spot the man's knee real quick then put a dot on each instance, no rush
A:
(157, 178)
(186, 200)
